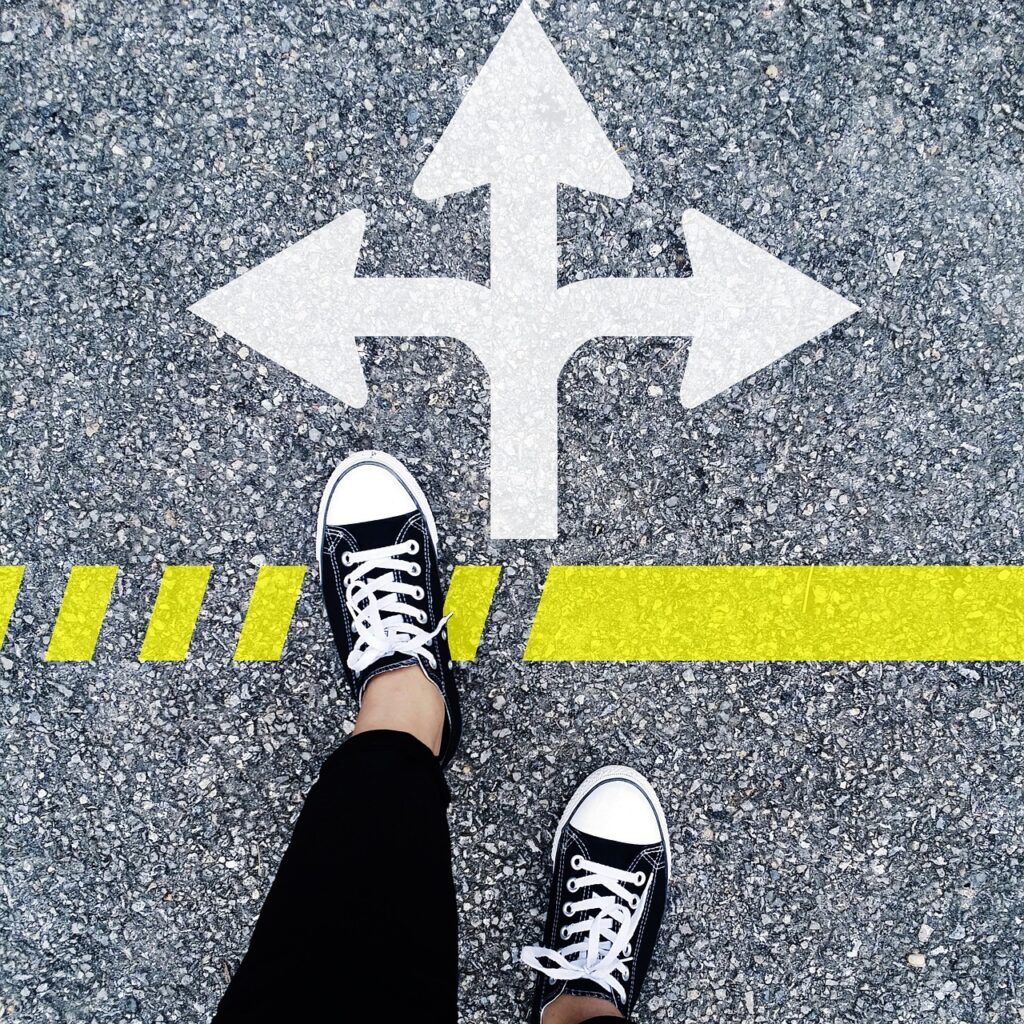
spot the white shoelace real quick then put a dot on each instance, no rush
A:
(380, 618)
(603, 939)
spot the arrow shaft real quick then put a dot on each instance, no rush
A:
(631, 307)
(524, 362)
(524, 452)
(519, 321)
(400, 306)
(524, 242)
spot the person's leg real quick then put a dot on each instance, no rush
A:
(608, 894)
(568, 1009)
(368, 864)
(403, 701)
(360, 922)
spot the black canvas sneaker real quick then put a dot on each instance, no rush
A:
(377, 552)
(608, 893)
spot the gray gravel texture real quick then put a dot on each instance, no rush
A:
(849, 838)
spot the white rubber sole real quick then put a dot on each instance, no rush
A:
(608, 774)
(392, 465)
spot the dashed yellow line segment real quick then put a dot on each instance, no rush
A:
(271, 608)
(175, 613)
(82, 612)
(10, 583)
(469, 598)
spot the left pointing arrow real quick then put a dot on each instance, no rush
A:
(287, 309)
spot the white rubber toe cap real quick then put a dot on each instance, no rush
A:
(368, 486)
(366, 492)
(621, 810)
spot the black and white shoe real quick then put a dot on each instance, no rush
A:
(608, 893)
(377, 551)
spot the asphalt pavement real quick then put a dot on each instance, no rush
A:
(848, 838)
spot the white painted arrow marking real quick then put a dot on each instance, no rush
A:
(523, 128)
(287, 308)
(742, 307)
(304, 308)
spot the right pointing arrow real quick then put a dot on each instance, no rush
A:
(742, 307)
(747, 309)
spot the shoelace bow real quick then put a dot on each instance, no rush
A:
(384, 623)
(603, 947)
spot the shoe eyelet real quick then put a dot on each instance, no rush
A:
(576, 862)
(414, 569)
(641, 878)
(628, 951)
(564, 933)
(568, 910)
(571, 885)
(421, 618)
(418, 593)
(413, 547)
(451, 664)
(346, 558)
(625, 976)
(634, 902)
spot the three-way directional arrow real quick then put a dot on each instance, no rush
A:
(523, 129)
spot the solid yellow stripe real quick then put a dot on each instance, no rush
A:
(271, 608)
(10, 583)
(780, 613)
(469, 596)
(175, 612)
(82, 611)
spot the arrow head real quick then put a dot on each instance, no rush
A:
(751, 309)
(287, 308)
(523, 118)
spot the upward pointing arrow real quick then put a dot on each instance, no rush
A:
(523, 128)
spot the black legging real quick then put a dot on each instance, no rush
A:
(363, 906)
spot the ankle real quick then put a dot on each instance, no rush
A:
(403, 700)
(569, 1009)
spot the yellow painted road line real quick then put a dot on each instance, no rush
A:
(469, 596)
(780, 613)
(10, 583)
(175, 612)
(82, 611)
(271, 608)
(623, 613)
